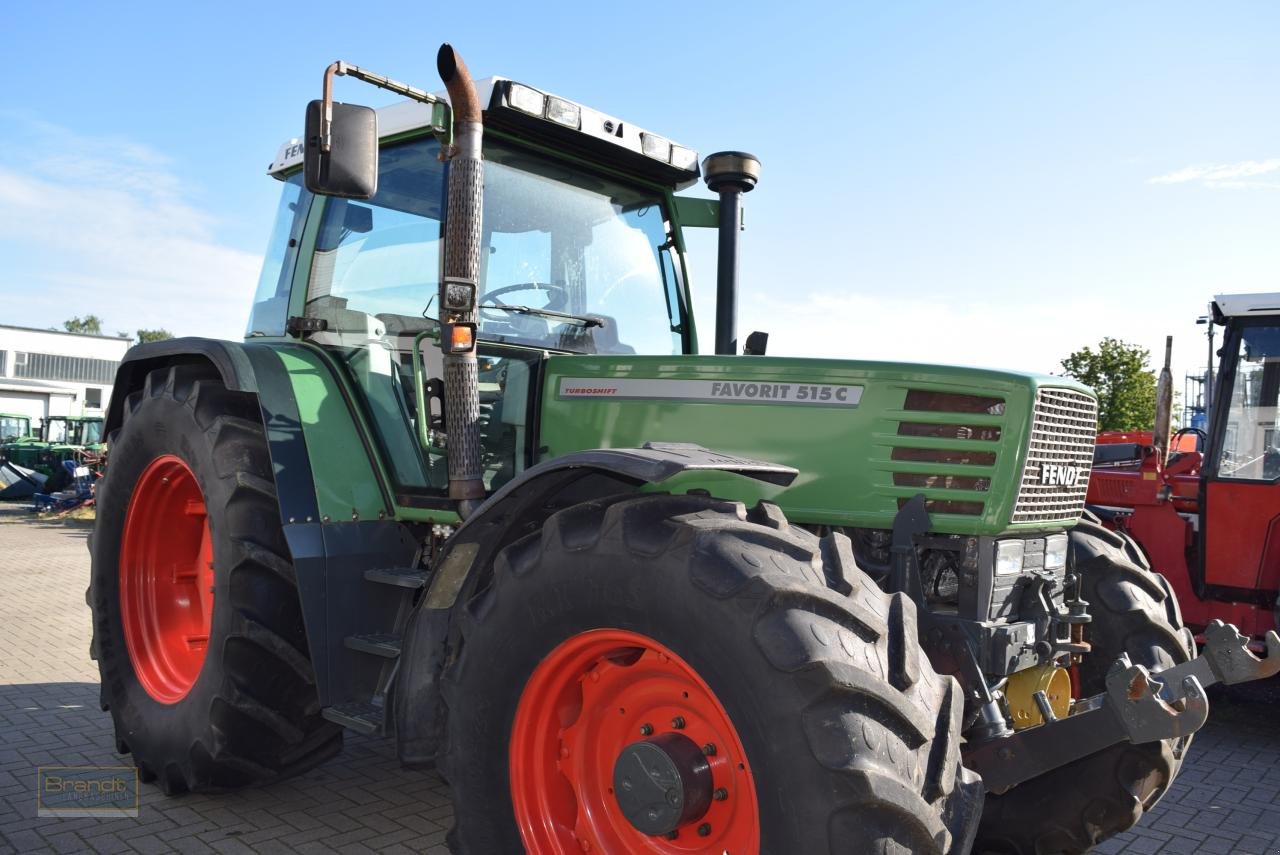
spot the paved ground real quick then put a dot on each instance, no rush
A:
(1227, 799)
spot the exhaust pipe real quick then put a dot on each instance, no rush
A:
(460, 277)
(1164, 404)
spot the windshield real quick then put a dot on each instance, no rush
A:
(55, 430)
(1250, 445)
(569, 260)
(12, 427)
(92, 433)
(271, 301)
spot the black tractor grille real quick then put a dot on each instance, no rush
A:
(1056, 477)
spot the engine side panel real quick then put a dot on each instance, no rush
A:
(865, 436)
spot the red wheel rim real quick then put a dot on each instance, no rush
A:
(166, 579)
(587, 700)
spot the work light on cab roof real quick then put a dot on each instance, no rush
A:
(535, 115)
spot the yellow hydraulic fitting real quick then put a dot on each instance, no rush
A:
(1020, 693)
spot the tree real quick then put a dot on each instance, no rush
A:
(161, 334)
(1120, 376)
(90, 324)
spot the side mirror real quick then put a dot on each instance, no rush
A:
(349, 168)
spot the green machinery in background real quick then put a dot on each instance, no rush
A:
(58, 438)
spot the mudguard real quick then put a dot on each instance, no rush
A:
(229, 358)
(336, 510)
(518, 509)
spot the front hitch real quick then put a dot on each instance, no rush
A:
(1138, 706)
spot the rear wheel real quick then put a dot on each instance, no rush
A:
(1077, 806)
(197, 626)
(671, 674)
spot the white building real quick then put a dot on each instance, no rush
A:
(50, 373)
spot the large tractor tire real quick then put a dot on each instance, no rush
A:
(197, 627)
(1076, 807)
(672, 674)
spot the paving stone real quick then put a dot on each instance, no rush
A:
(1225, 800)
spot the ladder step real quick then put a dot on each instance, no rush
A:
(404, 577)
(362, 718)
(378, 644)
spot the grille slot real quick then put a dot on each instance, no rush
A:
(1056, 477)
(926, 400)
(986, 433)
(957, 456)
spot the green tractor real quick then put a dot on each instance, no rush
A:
(59, 438)
(466, 484)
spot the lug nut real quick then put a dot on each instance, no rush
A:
(678, 722)
(646, 730)
(671, 835)
(704, 829)
(709, 749)
(720, 794)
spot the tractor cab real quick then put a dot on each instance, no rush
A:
(1208, 515)
(580, 253)
(1240, 516)
(71, 431)
(13, 427)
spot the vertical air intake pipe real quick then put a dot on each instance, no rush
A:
(729, 173)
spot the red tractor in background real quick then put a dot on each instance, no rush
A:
(1209, 518)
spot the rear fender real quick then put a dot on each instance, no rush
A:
(228, 358)
(334, 505)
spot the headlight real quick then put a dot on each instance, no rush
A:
(683, 158)
(1055, 552)
(564, 112)
(526, 99)
(656, 147)
(1009, 557)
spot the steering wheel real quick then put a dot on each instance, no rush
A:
(1192, 430)
(558, 296)
(1203, 437)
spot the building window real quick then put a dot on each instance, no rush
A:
(93, 397)
(3, 361)
(54, 366)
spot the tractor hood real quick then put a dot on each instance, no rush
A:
(865, 436)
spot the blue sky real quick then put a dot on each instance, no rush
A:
(976, 183)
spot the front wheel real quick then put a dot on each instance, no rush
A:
(672, 674)
(1077, 806)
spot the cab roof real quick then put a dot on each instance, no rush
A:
(596, 135)
(1238, 305)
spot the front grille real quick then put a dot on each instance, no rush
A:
(1056, 477)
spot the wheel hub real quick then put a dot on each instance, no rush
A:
(662, 783)
(580, 780)
(166, 579)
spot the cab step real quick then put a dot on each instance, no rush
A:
(362, 718)
(402, 577)
(378, 644)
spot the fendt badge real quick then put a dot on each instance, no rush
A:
(1059, 475)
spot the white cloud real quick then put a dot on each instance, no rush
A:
(105, 227)
(1224, 175)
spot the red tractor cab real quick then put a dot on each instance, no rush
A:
(1208, 517)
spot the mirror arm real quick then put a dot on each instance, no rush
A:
(440, 120)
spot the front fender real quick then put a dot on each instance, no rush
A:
(518, 509)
